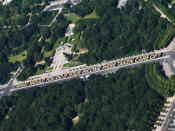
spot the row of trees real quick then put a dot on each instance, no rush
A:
(166, 6)
(156, 80)
(121, 101)
(162, 42)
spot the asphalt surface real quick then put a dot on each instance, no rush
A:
(11, 88)
(6, 91)
(101, 72)
(168, 118)
(169, 115)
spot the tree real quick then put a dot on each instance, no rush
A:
(68, 56)
(47, 60)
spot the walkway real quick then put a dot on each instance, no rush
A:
(161, 13)
(166, 115)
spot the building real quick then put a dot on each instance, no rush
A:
(5, 2)
(121, 3)
(69, 31)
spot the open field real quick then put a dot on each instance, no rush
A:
(50, 68)
(91, 16)
(74, 17)
(21, 56)
(66, 65)
(72, 64)
(39, 72)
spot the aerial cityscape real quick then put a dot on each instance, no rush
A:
(97, 65)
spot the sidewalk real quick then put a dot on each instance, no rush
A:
(165, 116)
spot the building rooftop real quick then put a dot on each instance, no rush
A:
(121, 3)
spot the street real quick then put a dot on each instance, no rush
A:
(78, 72)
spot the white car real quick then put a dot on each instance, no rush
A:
(81, 77)
(87, 76)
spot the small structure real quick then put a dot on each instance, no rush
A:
(69, 31)
(75, 120)
(5, 2)
(121, 3)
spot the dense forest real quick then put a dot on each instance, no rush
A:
(119, 102)
(120, 32)
(81, 9)
(32, 36)
(56, 31)
(130, 99)
(18, 12)
(6, 68)
(116, 33)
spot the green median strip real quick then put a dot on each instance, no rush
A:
(50, 68)
(66, 65)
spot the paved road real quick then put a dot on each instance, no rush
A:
(105, 72)
(111, 68)
(6, 91)
(168, 56)
(168, 117)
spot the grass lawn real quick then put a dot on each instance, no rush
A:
(48, 53)
(74, 17)
(39, 72)
(73, 40)
(93, 15)
(72, 64)
(75, 63)
(50, 68)
(66, 65)
(21, 56)
(51, 53)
